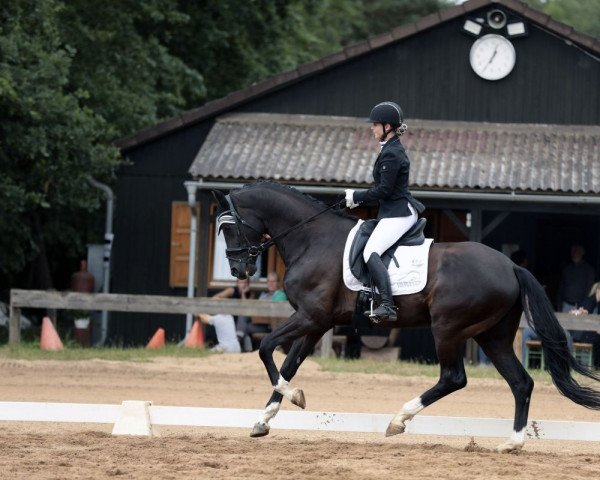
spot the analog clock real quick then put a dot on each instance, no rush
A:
(492, 57)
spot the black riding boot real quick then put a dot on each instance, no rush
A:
(386, 309)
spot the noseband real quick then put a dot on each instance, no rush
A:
(248, 253)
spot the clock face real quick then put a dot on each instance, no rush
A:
(492, 57)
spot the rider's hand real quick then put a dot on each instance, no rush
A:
(350, 199)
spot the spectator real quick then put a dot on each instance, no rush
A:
(589, 306)
(576, 281)
(227, 340)
(273, 292)
(243, 292)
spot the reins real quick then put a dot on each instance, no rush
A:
(254, 251)
(271, 241)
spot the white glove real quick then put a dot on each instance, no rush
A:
(350, 199)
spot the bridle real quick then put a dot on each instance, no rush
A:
(248, 253)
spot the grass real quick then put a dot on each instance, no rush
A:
(72, 352)
(412, 369)
(32, 351)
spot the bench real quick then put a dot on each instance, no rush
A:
(533, 352)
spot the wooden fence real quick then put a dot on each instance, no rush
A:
(166, 304)
(115, 302)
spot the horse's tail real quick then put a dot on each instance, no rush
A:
(541, 318)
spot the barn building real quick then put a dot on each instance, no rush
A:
(503, 109)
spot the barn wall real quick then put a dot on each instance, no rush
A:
(429, 75)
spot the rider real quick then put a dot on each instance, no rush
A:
(397, 208)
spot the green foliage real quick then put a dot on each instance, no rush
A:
(582, 15)
(73, 77)
(235, 43)
(49, 142)
(128, 75)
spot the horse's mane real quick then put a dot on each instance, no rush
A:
(270, 184)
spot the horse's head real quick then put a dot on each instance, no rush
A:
(242, 236)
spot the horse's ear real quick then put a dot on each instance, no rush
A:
(221, 200)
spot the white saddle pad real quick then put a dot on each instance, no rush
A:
(409, 277)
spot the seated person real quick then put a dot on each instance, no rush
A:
(227, 340)
(589, 306)
(243, 292)
(273, 294)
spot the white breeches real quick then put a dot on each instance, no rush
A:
(387, 232)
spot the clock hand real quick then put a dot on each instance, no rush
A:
(491, 58)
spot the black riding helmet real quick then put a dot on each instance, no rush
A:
(387, 112)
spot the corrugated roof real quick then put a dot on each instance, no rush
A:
(239, 97)
(444, 155)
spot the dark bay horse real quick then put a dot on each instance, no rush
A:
(472, 291)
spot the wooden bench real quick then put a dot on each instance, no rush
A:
(583, 352)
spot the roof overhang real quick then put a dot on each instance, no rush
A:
(463, 160)
(509, 197)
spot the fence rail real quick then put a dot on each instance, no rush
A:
(173, 305)
(116, 302)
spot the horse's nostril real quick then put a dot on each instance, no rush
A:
(234, 272)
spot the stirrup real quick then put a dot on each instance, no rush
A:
(385, 313)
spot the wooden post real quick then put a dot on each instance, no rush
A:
(14, 325)
(327, 344)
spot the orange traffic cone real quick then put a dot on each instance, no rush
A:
(49, 339)
(157, 340)
(195, 338)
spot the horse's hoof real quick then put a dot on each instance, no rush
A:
(508, 447)
(298, 398)
(394, 429)
(260, 430)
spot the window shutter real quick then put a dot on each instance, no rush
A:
(181, 218)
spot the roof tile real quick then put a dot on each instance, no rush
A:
(451, 155)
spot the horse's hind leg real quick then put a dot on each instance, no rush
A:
(452, 378)
(297, 354)
(497, 345)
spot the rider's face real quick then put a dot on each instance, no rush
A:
(377, 129)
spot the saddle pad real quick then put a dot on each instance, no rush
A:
(409, 277)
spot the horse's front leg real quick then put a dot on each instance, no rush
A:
(297, 354)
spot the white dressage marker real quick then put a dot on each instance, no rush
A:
(134, 419)
(292, 420)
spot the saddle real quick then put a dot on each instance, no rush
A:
(358, 267)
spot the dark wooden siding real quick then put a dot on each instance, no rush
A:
(140, 261)
(429, 75)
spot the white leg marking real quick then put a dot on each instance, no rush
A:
(284, 388)
(515, 442)
(409, 410)
(271, 410)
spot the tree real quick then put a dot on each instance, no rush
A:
(234, 43)
(49, 142)
(73, 78)
(130, 78)
(582, 15)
